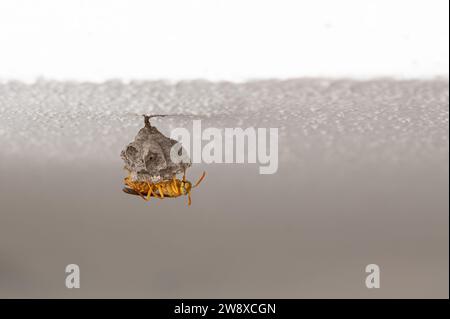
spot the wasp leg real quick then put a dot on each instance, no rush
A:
(161, 193)
(174, 186)
(149, 194)
(189, 199)
(153, 191)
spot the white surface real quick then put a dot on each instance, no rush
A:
(233, 40)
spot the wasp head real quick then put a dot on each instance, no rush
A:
(185, 187)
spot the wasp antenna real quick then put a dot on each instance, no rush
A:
(200, 180)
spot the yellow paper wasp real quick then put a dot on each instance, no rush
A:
(162, 189)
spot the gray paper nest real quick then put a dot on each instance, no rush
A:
(147, 158)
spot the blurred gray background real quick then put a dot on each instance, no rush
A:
(363, 178)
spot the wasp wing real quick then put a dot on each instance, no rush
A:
(130, 191)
